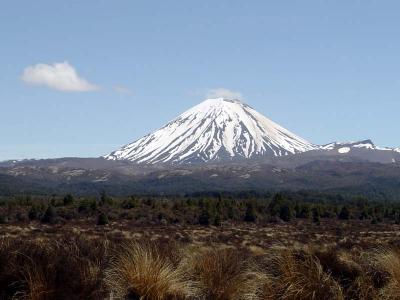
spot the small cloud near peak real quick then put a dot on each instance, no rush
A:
(224, 93)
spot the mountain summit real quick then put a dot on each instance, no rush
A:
(214, 130)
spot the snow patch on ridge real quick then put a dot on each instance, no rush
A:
(344, 150)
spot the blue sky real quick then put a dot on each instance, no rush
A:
(326, 70)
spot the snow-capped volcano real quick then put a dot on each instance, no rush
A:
(215, 130)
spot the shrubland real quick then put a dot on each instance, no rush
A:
(210, 246)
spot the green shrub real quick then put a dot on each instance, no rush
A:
(34, 213)
(129, 203)
(250, 215)
(285, 213)
(3, 219)
(204, 218)
(316, 216)
(217, 220)
(344, 213)
(102, 219)
(50, 216)
(68, 199)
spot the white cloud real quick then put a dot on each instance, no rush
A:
(224, 93)
(58, 76)
(122, 90)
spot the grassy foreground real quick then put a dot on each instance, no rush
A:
(78, 267)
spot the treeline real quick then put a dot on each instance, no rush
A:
(204, 209)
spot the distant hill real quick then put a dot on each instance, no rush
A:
(91, 176)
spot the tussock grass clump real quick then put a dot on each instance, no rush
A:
(386, 263)
(299, 275)
(61, 269)
(352, 271)
(224, 273)
(142, 271)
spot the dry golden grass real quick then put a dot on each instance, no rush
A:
(36, 284)
(92, 268)
(140, 271)
(388, 261)
(30, 274)
(223, 273)
(69, 269)
(299, 275)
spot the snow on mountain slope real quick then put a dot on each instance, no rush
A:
(215, 130)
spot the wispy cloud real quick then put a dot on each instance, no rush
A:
(223, 93)
(122, 90)
(58, 76)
